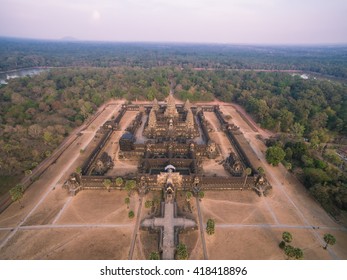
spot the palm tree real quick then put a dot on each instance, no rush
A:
(107, 183)
(17, 193)
(210, 227)
(248, 172)
(329, 239)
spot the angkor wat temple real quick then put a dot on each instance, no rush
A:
(171, 142)
(174, 135)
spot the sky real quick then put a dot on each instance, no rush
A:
(201, 21)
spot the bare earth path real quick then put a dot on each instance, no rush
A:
(136, 230)
(201, 228)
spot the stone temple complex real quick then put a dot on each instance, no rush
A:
(171, 143)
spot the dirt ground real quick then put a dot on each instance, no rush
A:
(245, 221)
(218, 136)
(214, 167)
(66, 244)
(95, 225)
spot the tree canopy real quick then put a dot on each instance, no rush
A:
(329, 239)
(274, 155)
(17, 193)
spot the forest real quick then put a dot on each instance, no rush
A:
(24, 53)
(309, 116)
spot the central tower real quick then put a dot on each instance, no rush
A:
(171, 111)
(171, 122)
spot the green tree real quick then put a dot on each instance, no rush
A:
(188, 196)
(289, 250)
(329, 239)
(248, 172)
(261, 170)
(78, 170)
(289, 154)
(293, 253)
(201, 194)
(210, 227)
(48, 137)
(127, 201)
(130, 186)
(314, 176)
(298, 130)
(182, 252)
(282, 244)
(274, 155)
(131, 214)
(288, 167)
(298, 254)
(17, 193)
(154, 256)
(287, 237)
(119, 181)
(107, 183)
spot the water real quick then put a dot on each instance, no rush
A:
(6, 76)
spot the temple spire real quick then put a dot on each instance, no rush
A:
(155, 106)
(171, 110)
(187, 105)
(152, 121)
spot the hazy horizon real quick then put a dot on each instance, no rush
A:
(68, 39)
(234, 22)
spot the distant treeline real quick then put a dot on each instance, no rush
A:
(20, 53)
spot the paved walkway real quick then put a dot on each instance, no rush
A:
(168, 224)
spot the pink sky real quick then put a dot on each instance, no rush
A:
(212, 21)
